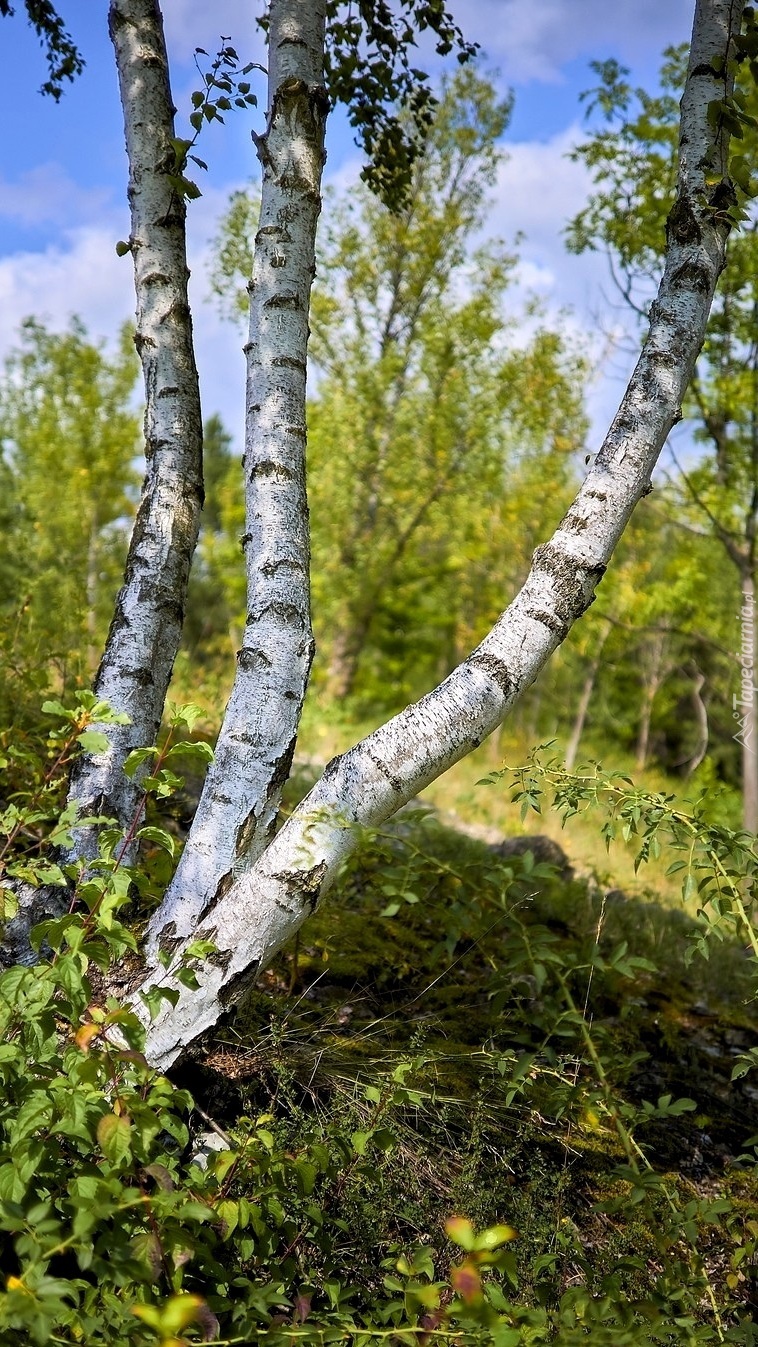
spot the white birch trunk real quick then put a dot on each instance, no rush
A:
(240, 801)
(266, 904)
(146, 629)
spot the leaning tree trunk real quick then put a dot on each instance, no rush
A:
(144, 637)
(263, 906)
(240, 800)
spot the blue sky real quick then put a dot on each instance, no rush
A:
(63, 167)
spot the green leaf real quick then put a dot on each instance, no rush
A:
(159, 837)
(136, 758)
(114, 1136)
(93, 741)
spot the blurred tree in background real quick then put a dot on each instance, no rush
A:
(69, 435)
(436, 417)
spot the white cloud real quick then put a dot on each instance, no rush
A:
(46, 193)
(195, 23)
(539, 189)
(532, 40)
(82, 275)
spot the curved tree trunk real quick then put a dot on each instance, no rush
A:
(265, 905)
(701, 721)
(240, 800)
(144, 637)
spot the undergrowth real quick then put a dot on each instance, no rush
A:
(475, 1102)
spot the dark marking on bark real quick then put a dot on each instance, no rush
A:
(252, 659)
(551, 621)
(155, 278)
(222, 888)
(596, 495)
(690, 275)
(142, 677)
(683, 226)
(706, 69)
(332, 767)
(270, 568)
(245, 833)
(284, 302)
(268, 468)
(288, 362)
(723, 197)
(286, 612)
(495, 667)
(280, 768)
(304, 885)
(237, 986)
(573, 523)
(168, 940)
(292, 180)
(550, 559)
(221, 958)
(382, 767)
(168, 391)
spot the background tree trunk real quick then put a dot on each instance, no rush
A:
(652, 679)
(588, 687)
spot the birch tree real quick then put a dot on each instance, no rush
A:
(146, 629)
(633, 161)
(248, 911)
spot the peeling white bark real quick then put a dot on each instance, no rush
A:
(146, 629)
(263, 906)
(240, 801)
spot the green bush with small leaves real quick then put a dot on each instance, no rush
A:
(128, 1217)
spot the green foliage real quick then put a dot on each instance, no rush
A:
(64, 60)
(217, 569)
(389, 101)
(222, 89)
(719, 867)
(321, 1210)
(68, 438)
(434, 422)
